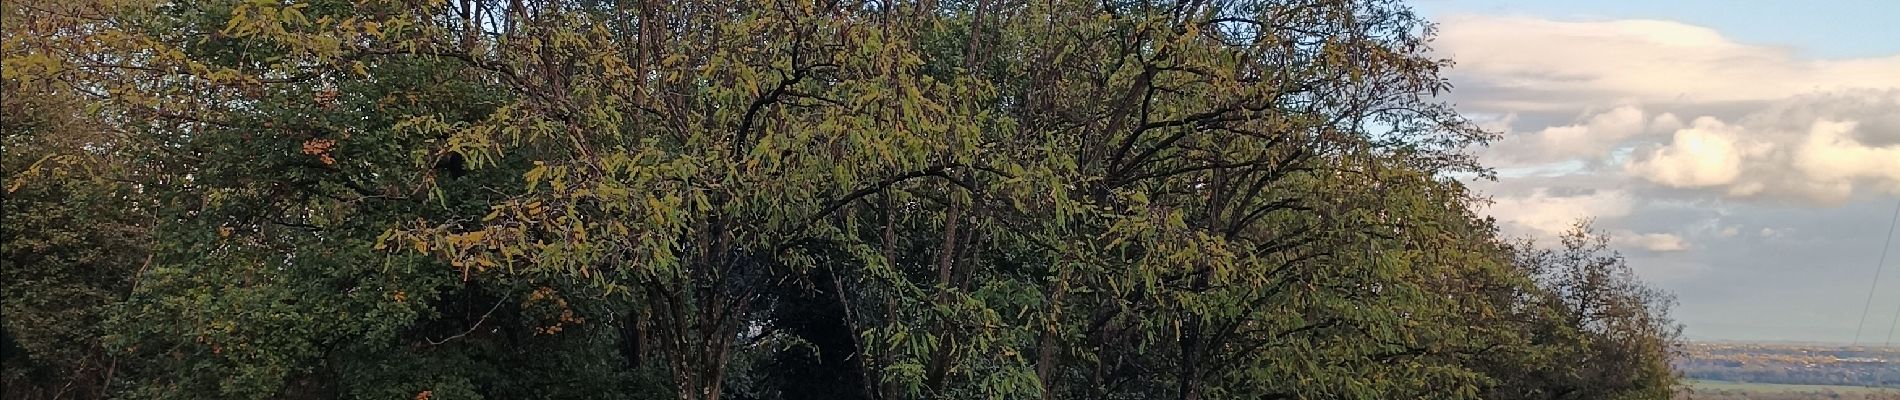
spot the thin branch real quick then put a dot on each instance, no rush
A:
(471, 328)
(833, 206)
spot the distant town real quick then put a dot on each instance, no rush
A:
(1741, 370)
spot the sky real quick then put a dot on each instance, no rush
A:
(1745, 155)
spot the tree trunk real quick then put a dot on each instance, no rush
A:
(1190, 360)
(939, 367)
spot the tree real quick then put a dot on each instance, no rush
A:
(76, 231)
(1595, 330)
(792, 199)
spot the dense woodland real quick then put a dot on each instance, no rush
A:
(774, 199)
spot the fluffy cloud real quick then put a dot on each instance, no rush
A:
(1597, 134)
(1809, 148)
(1754, 167)
(1612, 97)
(1656, 242)
(1706, 154)
(1831, 154)
(1589, 138)
(1615, 120)
(1544, 213)
(1523, 63)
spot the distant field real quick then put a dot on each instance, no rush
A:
(1706, 385)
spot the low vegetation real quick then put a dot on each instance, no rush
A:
(1723, 390)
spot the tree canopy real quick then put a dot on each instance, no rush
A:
(775, 199)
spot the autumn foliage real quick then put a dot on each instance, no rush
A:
(1202, 199)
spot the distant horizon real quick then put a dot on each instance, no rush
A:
(1773, 341)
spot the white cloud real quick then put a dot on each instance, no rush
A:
(1602, 130)
(1762, 122)
(1543, 213)
(1808, 148)
(1656, 242)
(1831, 154)
(1616, 119)
(1667, 122)
(1586, 139)
(1701, 210)
(1706, 154)
(1524, 63)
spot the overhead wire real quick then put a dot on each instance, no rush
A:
(1878, 268)
(1883, 261)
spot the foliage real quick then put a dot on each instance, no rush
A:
(75, 236)
(1604, 334)
(785, 199)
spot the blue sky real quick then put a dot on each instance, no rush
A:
(1837, 28)
(1744, 154)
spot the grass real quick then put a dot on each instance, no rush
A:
(1701, 385)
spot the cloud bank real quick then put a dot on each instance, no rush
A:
(1637, 123)
(1543, 64)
